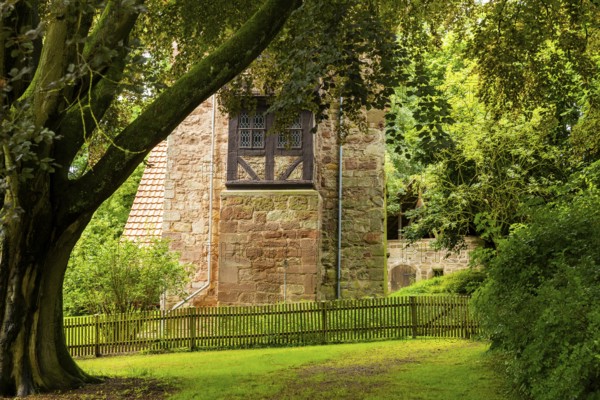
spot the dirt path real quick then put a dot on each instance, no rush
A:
(115, 389)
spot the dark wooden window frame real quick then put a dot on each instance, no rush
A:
(269, 152)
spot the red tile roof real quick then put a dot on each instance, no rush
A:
(146, 215)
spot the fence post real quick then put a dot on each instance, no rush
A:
(465, 316)
(413, 315)
(97, 335)
(192, 327)
(324, 320)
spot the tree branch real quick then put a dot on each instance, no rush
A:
(114, 26)
(45, 89)
(81, 118)
(112, 32)
(174, 104)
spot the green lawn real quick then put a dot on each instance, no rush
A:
(427, 369)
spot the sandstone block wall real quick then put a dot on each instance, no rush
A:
(363, 211)
(187, 213)
(422, 260)
(269, 246)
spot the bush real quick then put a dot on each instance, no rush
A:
(108, 275)
(464, 282)
(541, 303)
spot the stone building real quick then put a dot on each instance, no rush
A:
(257, 213)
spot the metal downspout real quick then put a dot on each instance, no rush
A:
(210, 212)
(340, 183)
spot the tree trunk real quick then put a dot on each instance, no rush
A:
(35, 253)
(37, 240)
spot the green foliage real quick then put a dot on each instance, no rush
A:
(534, 53)
(521, 86)
(400, 179)
(477, 174)
(464, 282)
(350, 53)
(108, 275)
(110, 218)
(542, 300)
(498, 167)
(430, 112)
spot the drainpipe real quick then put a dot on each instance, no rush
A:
(340, 181)
(210, 212)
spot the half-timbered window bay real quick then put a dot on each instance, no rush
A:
(259, 156)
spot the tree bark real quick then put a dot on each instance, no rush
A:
(35, 252)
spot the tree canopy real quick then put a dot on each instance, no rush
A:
(497, 113)
(498, 123)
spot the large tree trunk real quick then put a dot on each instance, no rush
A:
(35, 252)
(36, 240)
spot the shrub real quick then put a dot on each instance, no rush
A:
(107, 275)
(541, 303)
(464, 282)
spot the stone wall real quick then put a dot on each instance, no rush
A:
(421, 261)
(363, 211)
(187, 213)
(269, 246)
(265, 240)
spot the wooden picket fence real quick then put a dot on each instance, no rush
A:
(270, 325)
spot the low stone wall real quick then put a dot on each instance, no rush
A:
(269, 242)
(419, 261)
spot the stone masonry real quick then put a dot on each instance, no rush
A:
(270, 246)
(422, 261)
(273, 245)
(363, 210)
(187, 214)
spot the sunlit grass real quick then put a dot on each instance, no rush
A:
(414, 369)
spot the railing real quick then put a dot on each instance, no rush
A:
(270, 325)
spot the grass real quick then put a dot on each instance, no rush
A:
(427, 369)
(463, 282)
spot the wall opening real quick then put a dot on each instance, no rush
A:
(402, 276)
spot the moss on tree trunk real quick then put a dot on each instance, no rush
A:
(35, 253)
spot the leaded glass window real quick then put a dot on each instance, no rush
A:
(245, 142)
(245, 121)
(292, 137)
(258, 139)
(251, 130)
(296, 139)
(257, 158)
(259, 121)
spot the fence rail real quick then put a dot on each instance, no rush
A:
(270, 325)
